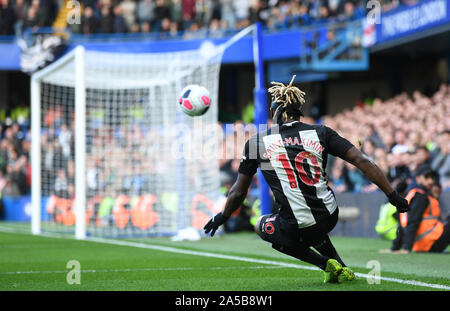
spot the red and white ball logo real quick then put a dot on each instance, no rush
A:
(194, 100)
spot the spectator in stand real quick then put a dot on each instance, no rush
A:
(90, 3)
(135, 28)
(323, 16)
(228, 13)
(304, 18)
(277, 18)
(400, 142)
(275, 14)
(176, 11)
(335, 7)
(214, 12)
(189, 11)
(241, 7)
(193, 31)
(42, 13)
(368, 148)
(160, 12)
(20, 10)
(4, 145)
(64, 139)
(145, 11)
(337, 179)
(10, 137)
(128, 11)
(356, 181)
(313, 8)
(10, 188)
(381, 160)
(374, 137)
(349, 11)
(441, 163)
(61, 187)
(120, 24)
(214, 29)
(420, 156)
(3, 183)
(174, 29)
(89, 23)
(398, 170)
(31, 20)
(165, 28)
(7, 18)
(16, 170)
(106, 19)
(145, 27)
(256, 12)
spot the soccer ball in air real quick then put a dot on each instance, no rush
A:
(194, 100)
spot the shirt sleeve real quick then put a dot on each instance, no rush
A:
(336, 144)
(249, 162)
(416, 208)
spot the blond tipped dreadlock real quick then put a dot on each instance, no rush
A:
(289, 100)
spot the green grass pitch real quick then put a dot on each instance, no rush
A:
(30, 262)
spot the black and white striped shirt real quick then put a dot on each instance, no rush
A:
(293, 159)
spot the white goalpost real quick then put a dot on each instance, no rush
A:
(112, 153)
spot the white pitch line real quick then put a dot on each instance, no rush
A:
(253, 260)
(199, 253)
(141, 269)
(231, 257)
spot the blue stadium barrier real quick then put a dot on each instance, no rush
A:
(410, 21)
(9, 56)
(19, 208)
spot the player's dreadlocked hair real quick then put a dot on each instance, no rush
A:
(287, 101)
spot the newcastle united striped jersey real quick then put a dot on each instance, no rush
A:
(293, 159)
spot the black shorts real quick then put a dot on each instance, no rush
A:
(281, 231)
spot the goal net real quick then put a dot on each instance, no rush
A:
(113, 155)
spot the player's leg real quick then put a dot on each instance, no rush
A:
(303, 253)
(332, 269)
(326, 248)
(268, 227)
(317, 237)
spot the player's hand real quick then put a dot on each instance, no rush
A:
(214, 223)
(400, 203)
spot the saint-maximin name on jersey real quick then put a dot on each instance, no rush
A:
(293, 160)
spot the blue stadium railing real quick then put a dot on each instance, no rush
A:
(316, 32)
(334, 47)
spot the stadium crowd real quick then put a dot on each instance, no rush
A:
(175, 16)
(398, 134)
(15, 147)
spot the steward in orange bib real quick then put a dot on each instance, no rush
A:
(422, 229)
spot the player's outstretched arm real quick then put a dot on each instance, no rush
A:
(237, 194)
(375, 175)
(235, 197)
